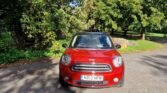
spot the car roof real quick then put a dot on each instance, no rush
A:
(93, 33)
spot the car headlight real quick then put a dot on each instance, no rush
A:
(66, 59)
(117, 61)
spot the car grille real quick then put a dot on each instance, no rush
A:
(92, 82)
(91, 67)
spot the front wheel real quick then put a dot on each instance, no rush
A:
(121, 83)
(62, 82)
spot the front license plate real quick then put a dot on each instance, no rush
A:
(91, 78)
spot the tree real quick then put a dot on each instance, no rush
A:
(37, 23)
(151, 18)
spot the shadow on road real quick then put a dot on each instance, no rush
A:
(158, 62)
(39, 77)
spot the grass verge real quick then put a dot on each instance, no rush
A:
(141, 45)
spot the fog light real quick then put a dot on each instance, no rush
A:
(66, 78)
(116, 79)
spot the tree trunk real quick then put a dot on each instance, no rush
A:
(60, 35)
(165, 33)
(112, 31)
(104, 27)
(18, 34)
(142, 34)
(125, 33)
(0, 34)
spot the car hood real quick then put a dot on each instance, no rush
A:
(95, 54)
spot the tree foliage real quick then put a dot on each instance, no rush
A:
(37, 23)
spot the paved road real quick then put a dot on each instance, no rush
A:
(144, 73)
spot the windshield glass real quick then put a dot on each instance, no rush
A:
(91, 41)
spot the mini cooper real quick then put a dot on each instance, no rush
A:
(91, 60)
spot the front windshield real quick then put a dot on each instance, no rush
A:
(91, 41)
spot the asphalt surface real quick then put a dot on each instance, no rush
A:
(145, 72)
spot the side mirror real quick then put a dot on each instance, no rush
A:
(64, 45)
(117, 46)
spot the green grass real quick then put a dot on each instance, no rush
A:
(158, 35)
(141, 45)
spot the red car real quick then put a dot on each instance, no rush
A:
(91, 60)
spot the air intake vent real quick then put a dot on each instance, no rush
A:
(91, 67)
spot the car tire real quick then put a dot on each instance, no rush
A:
(121, 83)
(62, 82)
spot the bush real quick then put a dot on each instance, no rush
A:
(6, 41)
(9, 53)
(37, 25)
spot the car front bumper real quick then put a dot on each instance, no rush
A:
(109, 78)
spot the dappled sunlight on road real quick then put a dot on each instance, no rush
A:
(40, 77)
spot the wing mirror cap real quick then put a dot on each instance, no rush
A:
(64, 45)
(117, 46)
